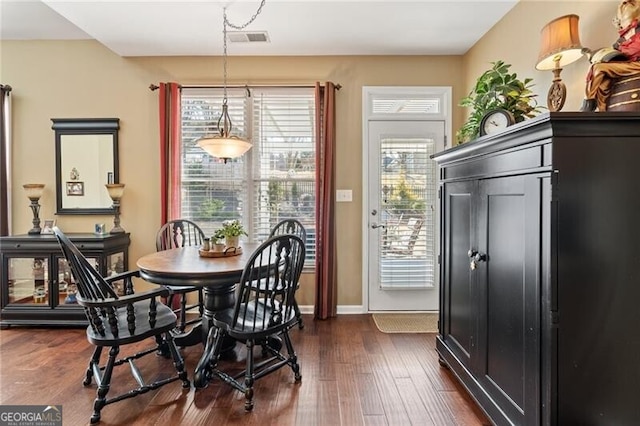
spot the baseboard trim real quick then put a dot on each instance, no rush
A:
(342, 309)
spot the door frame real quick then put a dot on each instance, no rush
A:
(369, 94)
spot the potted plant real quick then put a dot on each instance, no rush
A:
(231, 231)
(217, 241)
(497, 88)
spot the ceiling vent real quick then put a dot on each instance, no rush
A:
(248, 36)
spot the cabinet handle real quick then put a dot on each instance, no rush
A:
(480, 257)
(475, 258)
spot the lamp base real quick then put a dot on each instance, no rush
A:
(117, 230)
(35, 231)
(556, 96)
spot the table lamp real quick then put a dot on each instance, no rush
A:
(115, 192)
(34, 192)
(559, 46)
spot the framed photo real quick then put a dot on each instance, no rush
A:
(100, 229)
(48, 226)
(75, 189)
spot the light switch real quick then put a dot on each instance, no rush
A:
(344, 195)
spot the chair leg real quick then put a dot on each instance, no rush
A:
(248, 378)
(293, 358)
(105, 382)
(178, 362)
(95, 360)
(163, 349)
(296, 309)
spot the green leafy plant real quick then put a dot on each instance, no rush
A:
(218, 236)
(231, 228)
(497, 88)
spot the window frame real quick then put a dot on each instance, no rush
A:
(252, 213)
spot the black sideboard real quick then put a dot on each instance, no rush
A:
(540, 271)
(36, 285)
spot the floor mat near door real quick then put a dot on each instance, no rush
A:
(406, 323)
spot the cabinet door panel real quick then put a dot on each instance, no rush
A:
(508, 351)
(458, 320)
(28, 280)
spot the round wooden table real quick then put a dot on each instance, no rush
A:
(184, 267)
(217, 275)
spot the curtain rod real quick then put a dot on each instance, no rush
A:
(153, 87)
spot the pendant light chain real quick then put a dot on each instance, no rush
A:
(243, 26)
(225, 146)
(226, 23)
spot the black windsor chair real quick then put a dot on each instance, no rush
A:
(116, 321)
(292, 227)
(181, 233)
(258, 316)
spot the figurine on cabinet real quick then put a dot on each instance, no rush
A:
(72, 289)
(610, 65)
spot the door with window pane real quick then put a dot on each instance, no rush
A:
(402, 215)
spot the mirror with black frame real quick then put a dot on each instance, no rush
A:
(86, 160)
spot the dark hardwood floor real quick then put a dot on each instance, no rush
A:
(352, 374)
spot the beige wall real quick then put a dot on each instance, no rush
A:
(79, 79)
(516, 40)
(84, 79)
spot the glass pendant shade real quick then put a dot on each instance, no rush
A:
(224, 147)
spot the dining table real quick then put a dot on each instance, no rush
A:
(218, 276)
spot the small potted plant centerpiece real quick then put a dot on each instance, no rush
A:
(232, 230)
(217, 241)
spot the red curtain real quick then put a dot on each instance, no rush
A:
(5, 158)
(170, 151)
(326, 279)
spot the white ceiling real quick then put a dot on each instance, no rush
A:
(295, 27)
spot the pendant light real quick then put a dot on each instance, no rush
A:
(225, 145)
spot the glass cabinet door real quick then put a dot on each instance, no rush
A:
(67, 288)
(28, 279)
(115, 265)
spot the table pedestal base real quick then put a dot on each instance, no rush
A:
(215, 299)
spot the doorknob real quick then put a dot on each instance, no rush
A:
(375, 226)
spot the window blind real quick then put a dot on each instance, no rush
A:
(408, 177)
(275, 180)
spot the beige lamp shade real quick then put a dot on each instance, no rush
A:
(224, 147)
(115, 190)
(559, 43)
(34, 190)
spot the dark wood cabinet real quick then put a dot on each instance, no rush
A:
(539, 273)
(36, 285)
